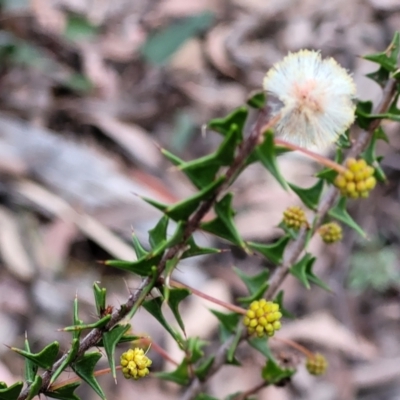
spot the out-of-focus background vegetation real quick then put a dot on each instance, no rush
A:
(89, 90)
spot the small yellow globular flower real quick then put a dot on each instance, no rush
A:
(294, 217)
(262, 318)
(357, 180)
(331, 232)
(317, 364)
(135, 364)
(315, 98)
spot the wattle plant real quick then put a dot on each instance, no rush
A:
(306, 101)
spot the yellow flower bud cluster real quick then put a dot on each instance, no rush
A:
(317, 364)
(262, 318)
(294, 217)
(357, 180)
(135, 364)
(331, 232)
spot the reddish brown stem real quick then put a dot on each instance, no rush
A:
(315, 156)
(205, 296)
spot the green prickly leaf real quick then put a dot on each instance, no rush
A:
(344, 141)
(327, 174)
(389, 58)
(224, 226)
(194, 250)
(230, 354)
(72, 353)
(302, 270)
(139, 249)
(224, 125)
(64, 392)
(98, 324)
(179, 376)
(310, 196)
(158, 235)
(279, 299)
(110, 341)
(261, 345)
(75, 319)
(273, 373)
(256, 99)
(267, 155)
(34, 388)
(203, 396)
(182, 210)
(228, 323)
(340, 213)
(202, 370)
(201, 172)
(141, 267)
(84, 368)
(175, 297)
(370, 156)
(273, 252)
(193, 348)
(99, 298)
(256, 285)
(45, 358)
(31, 368)
(154, 306)
(10, 392)
(364, 114)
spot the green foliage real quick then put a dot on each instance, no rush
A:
(212, 175)
(274, 374)
(310, 196)
(387, 60)
(154, 306)
(302, 270)
(110, 341)
(273, 252)
(256, 285)
(10, 392)
(65, 392)
(340, 213)
(72, 353)
(160, 46)
(84, 368)
(44, 359)
(223, 225)
(179, 376)
(267, 154)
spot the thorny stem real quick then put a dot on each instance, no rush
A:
(135, 299)
(295, 249)
(317, 157)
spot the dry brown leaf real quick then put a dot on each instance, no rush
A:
(12, 249)
(134, 139)
(379, 372)
(88, 225)
(322, 329)
(103, 77)
(57, 240)
(189, 58)
(49, 18)
(216, 50)
(182, 8)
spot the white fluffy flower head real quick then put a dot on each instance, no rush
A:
(316, 95)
